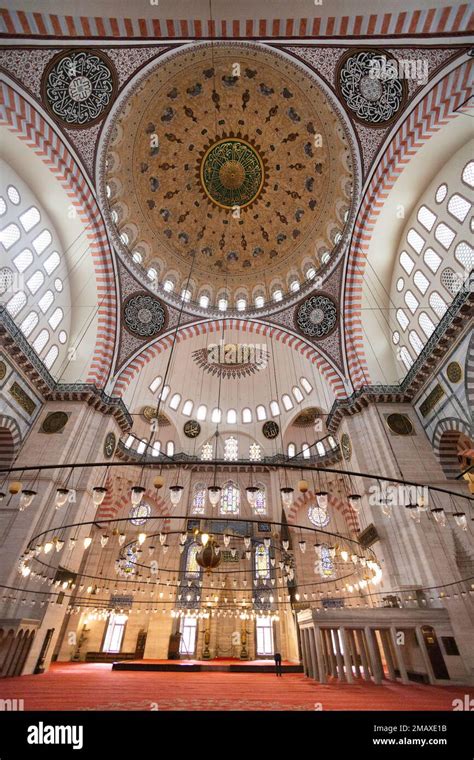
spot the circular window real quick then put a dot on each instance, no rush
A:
(396, 337)
(400, 284)
(140, 514)
(318, 516)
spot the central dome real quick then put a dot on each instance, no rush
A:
(231, 162)
(232, 173)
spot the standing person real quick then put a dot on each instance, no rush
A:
(278, 670)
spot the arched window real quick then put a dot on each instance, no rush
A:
(416, 342)
(23, 260)
(199, 499)
(458, 207)
(230, 499)
(274, 408)
(438, 304)
(231, 417)
(201, 412)
(405, 357)
(261, 413)
(306, 451)
(155, 452)
(35, 282)
(402, 319)
(29, 323)
(415, 240)
(142, 446)
(262, 562)
(432, 260)
(291, 450)
(56, 318)
(260, 503)
(155, 384)
(287, 402)
(407, 262)
(175, 401)
(426, 324)
(216, 415)
(170, 448)
(40, 341)
(51, 357)
(320, 448)
(187, 408)
(411, 301)
(426, 217)
(231, 449)
(298, 396)
(46, 300)
(421, 282)
(42, 241)
(164, 392)
(192, 568)
(306, 385)
(246, 415)
(444, 235)
(326, 562)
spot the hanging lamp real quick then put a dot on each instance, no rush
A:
(61, 497)
(98, 495)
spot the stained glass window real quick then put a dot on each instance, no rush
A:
(255, 452)
(318, 516)
(140, 513)
(199, 499)
(260, 505)
(192, 567)
(262, 562)
(326, 563)
(231, 449)
(230, 499)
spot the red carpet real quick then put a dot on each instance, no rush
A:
(94, 686)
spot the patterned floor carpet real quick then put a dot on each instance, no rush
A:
(94, 686)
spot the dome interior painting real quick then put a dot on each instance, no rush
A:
(236, 367)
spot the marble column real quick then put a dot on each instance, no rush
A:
(398, 649)
(304, 649)
(340, 661)
(330, 650)
(384, 637)
(354, 654)
(424, 653)
(374, 655)
(322, 666)
(312, 653)
(359, 635)
(347, 655)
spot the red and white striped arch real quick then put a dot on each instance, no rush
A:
(113, 506)
(437, 107)
(295, 342)
(450, 19)
(10, 440)
(27, 122)
(352, 521)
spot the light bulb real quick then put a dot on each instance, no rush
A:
(103, 540)
(322, 499)
(247, 540)
(354, 559)
(87, 542)
(175, 494)
(61, 497)
(302, 545)
(48, 546)
(285, 543)
(440, 516)
(205, 539)
(303, 486)
(59, 543)
(141, 538)
(162, 538)
(287, 496)
(226, 539)
(214, 495)
(354, 500)
(267, 542)
(344, 555)
(26, 571)
(252, 492)
(121, 539)
(460, 519)
(26, 498)
(98, 495)
(15, 487)
(182, 538)
(158, 482)
(136, 495)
